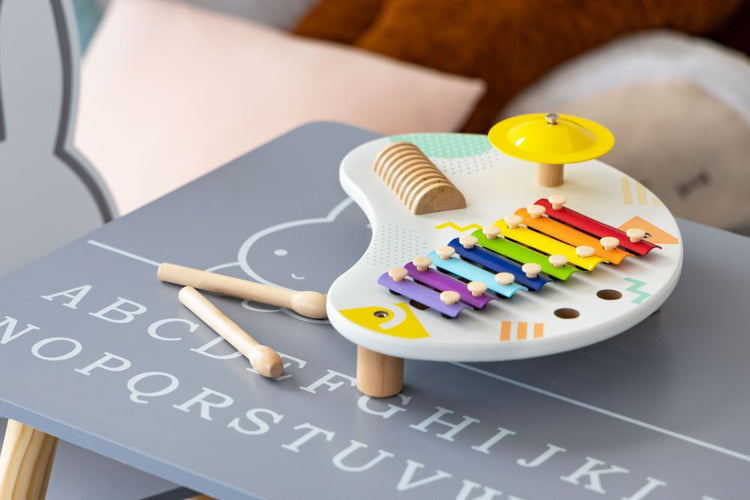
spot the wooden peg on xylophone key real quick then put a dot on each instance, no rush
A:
(635, 234)
(536, 211)
(505, 278)
(422, 263)
(449, 297)
(557, 201)
(491, 232)
(445, 252)
(532, 269)
(513, 221)
(558, 260)
(397, 273)
(477, 288)
(468, 241)
(609, 242)
(584, 251)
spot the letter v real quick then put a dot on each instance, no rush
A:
(406, 483)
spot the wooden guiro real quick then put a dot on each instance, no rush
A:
(308, 304)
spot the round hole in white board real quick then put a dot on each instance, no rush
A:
(608, 294)
(566, 313)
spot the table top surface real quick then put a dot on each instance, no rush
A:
(95, 350)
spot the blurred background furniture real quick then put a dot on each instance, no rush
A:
(676, 100)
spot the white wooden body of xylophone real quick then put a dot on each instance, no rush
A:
(587, 307)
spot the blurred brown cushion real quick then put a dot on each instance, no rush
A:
(511, 43)
(339, 21)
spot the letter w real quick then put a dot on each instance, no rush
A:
(10, 326)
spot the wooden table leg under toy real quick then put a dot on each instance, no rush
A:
(379, 375)
(25, 462)
(471, 259)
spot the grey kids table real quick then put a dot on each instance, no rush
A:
(96, 351)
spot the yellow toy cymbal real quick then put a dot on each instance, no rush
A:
(551, 138)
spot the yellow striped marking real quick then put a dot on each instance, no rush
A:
(641, 194)
(627, 196)
(642, 200)
(457, 227)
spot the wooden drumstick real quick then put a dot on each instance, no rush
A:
(309, 304)
(262, 358)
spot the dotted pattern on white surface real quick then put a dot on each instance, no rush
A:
(392, 244)
(468, 165)
(448, 145)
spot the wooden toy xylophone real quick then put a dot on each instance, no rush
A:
(524, 252)
(513, 282)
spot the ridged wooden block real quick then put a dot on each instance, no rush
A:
(416, 181)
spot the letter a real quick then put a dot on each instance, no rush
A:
(74, 294)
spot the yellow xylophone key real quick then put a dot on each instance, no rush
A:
(571, 236)
(548, 245)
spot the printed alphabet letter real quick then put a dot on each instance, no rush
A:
(10, 327)
(252, 416)
(587, 469)
(74, 294)
(153, 327)
(314, 431)
(485, 447)
(77, 348)
(123, 365)
(363, 402)
(125, 315)
(549, 453)
(206, 405)
(135, 394)
(467, 488)
(338, 460)
(454, 428)
(647, 488)
(326, 380)
(406, 483)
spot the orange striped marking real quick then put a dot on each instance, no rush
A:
(505, 331)
(538, 330)
(522, 331)
(571, 236)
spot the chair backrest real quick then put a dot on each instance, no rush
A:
(49, 193)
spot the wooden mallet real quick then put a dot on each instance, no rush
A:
(262, 358)
(308, 304)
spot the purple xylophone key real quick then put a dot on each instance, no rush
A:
(442, 282)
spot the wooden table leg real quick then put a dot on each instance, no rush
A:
(25, 462)
(379, 375)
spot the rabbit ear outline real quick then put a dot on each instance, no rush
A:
(39, 87)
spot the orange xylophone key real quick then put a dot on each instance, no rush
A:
(571, 236)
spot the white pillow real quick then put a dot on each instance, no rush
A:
(169, 92)
(679, 107)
